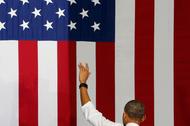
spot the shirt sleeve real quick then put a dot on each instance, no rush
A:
(95, 117)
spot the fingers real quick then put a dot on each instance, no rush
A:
(83, 67)
(80, 68)
(87, 67)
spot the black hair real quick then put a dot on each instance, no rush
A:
(135, 109)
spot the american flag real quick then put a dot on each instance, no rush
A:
(57, 20)
(136, 49)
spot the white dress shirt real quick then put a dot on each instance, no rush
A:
(96, 118)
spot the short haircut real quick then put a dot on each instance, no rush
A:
(135, 109)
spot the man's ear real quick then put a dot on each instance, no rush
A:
(125, 117)
(143, 119)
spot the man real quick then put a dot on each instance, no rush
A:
(133, 113)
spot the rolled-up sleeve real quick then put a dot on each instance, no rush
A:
(95, 117)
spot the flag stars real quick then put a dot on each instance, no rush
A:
(60, 13)
(48, 2)
(2, 25)
(72, 25)
(24, 1)
(84, 13)
(36, 12)
(12, 13)
(72, 2)
(96, 2)
(2, 2)
(24, 25)
(48, 25)
(96, 26)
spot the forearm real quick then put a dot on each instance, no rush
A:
(83, 76)
(84, 95)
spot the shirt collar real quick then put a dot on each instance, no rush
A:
(132, 124)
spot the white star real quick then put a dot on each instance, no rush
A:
(72, 25)
(12, 13)
(96, 26)
(2, 25)
(96, 2)
(24, 25)
(36, 12)
(2, 2)
(48, 25)
(84, 13)
(72, 2)
(48, 1)
(60, 12)
(24, 1)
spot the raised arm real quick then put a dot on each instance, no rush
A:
(83, 76)
(91, 114)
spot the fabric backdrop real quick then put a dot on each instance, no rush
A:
(144, 56)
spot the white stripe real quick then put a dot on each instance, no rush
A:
(86, 54)
(9, 83)
(164, 99)
(47, 83)
(124, 45)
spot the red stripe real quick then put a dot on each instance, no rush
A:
(144, 57)
(67, 83)
(28, 83)
(105, 79)
(181, 63)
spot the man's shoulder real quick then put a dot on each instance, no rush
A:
(118, 124)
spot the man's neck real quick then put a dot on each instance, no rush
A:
(132, 124)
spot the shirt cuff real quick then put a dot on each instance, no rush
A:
(88, 106)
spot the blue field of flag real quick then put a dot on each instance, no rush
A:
(79, 20)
